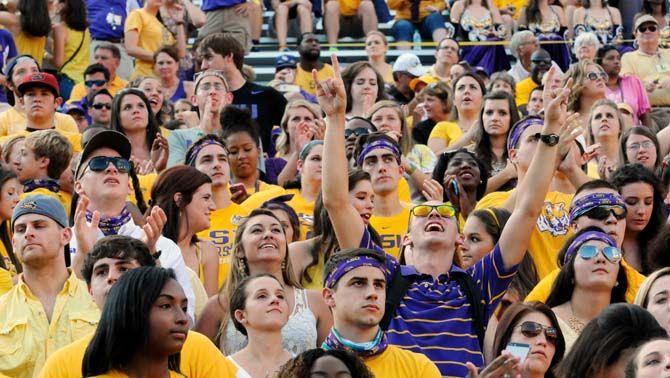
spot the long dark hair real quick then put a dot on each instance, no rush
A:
(123, 330)
(483, 148)
(648, 8)
(443, 162)
(605, 339)
(636, 173)
(34, 18)
(181, 179)
(511, 319)
(533, 13)
(349, 75)
(5, 234)
(325, 241)
(152, 125)
(564, 285)
(301, 365)
(73, 14)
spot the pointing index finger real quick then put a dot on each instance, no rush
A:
(336, 65)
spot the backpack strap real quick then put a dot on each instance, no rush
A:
(471, 291)
(394, 294)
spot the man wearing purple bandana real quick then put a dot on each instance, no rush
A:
(379, 155)
(355, 290)
(596, 203)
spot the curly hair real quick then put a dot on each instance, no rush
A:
(578, 72)
(301, 365)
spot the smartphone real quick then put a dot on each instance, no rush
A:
(518, 350)
(454, 184)
(237, 188)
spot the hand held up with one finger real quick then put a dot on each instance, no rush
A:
(330, 93)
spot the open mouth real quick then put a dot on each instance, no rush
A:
(434, 227)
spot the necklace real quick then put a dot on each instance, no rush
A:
(575, 323)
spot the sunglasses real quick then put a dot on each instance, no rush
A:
(356, 132)
(603, 212)
(444, 210)
(593, 76)
(97, 83)
(100, 163)
(612, 254)
(533, 329)
(651, 28)
(99, 106)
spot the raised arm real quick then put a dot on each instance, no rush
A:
(346, 221)
(535, 185)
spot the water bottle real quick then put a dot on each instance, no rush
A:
(417, 40)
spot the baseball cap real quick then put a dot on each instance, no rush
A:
(107, 138)
(425, 79)
(644, 18)
(409, 63)
(41, 204)
(284, 61)
(74, 106)
(39, 79)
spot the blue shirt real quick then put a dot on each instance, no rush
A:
(210, 5)
(8, 48)
(107, 17)
(435, 318)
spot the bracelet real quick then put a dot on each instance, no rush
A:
(179, 23)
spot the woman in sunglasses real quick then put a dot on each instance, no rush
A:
(588, 86)
(640, 145)
(536, 325)
(605, 127)
(590, 279)
(643, 196)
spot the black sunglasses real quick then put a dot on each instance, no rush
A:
(99, 106)
(100, 163)
(357, 132)
(97, 83)
(651, 28)
(533, 329)
(603, 212)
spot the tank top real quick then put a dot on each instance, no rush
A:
(33, 46)
(299, 333)
(76, 67)
(179, 93)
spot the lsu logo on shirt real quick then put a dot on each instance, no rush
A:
(554, 219)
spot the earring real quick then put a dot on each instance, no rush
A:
(242, 267)
(616, 284)
(283, 265)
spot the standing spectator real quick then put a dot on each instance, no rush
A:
(309, 49)
(30, 27)
(547, 22)
(422, 16)
(109, 56)
(586, 46)
(447, 54)
(144, 34)
(287, 10)
(376, 47)
(223, 52)
(650, 64)
(7, 52)
(166, 67)
(588, 87)
(231, 16)
(100, 109)
(364, 86)
(49, 307)
(96, 78)
(348, 18)
(71, 44)
(598, 17)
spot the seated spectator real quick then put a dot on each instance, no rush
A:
(548, 22)
(599, 18)
(286, 68)
(653, 295)
(45, 156)
(309, 49)
(540, 63)
(49, 307)
(77, 112)
(100, 108)
(109, 56)
(10, 188)
(424, 17)
(166, 67)
(376, 47)
(643, 363)
(405, 68)
(364, 86)
(348, 18)
(640, 145)
(586, 46)
(447, 54)
(535, 104)
(626, 89)
(286, 11)
(605, 126)
(326, 363)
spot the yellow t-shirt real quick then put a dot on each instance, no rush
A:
(199, 358)
(33, 46)
(315, 274)
(13, 122)
(305, 211)
(518, 4)
(75, 68)
(5, 281)
(79, 90)
(404, 191)
(449, 131)
(305, 81)
(523, 89)
(4, 254)
(349, 8)
(392, 229)
(542, 290)
(400, 363)
(551, 231)
(648, 68)
(63, 197)
(151, 36)
(222, 233)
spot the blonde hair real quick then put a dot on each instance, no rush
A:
(52, 145)
(578, 74)
(283, 143)
(604, 102)
(9, 145)
(406, 143)
(379, 34)
(642, 296)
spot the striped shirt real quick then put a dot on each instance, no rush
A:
(435, 316)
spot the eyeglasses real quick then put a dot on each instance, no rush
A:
(533, 329)
(612, 254)
(636, 146)
(100, 163)
(97, 83)
(444, 210)
(651, 28)
(100, 105)
(356, 132)
(603, 212)
(593, 76)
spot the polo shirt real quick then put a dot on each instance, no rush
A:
(648, 68)
(79, 90)
(523, 89)
(27, 338)
(434, 317)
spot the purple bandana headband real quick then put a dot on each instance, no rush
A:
(591, 201)
(198, 148)
(586, 237)
(379, 143)
(347, 266)
(518, 129)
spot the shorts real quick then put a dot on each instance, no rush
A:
(230, 23)
(403, 30)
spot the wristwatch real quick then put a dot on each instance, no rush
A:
(549, 139)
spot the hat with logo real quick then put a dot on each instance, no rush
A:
(285, 61)
(104, 139)
(41, 204)
(39, 79)
(74, 106)
(409, 63)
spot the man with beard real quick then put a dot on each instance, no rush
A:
(540, 63)
(310, 52)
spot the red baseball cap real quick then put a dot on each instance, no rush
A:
(39, 79)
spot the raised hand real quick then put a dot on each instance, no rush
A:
(159, 153)
(555, 102)
(153, 229)
(432, 190)
(504, 365)
(85, 233)
(330, 92)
